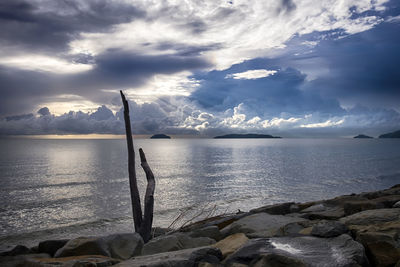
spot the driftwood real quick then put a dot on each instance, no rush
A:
(142, 223)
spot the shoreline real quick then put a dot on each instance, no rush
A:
(367, 224)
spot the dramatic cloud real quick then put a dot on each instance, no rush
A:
(199, 67)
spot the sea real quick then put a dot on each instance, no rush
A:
(64, 188)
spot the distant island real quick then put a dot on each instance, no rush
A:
(160, 136)
(246, 136)
(395, 134)
(362, 136)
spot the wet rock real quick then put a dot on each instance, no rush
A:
(260, 225)
(231, 243)
(209, 231)
(84, 260)
(174, 242)
(83, 246)
(381, 248)
(181, 258)
(124, 246)
(312, 251)
(275, 209)
(396, 205)
(17, 250)
(329, 229)
(51, 246)
(372, 217)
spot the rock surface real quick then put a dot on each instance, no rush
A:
(231, 243)
(329, 229)
(310, 251)
(51, 246)
(180, 258)
(372, 217)
(174, 242)
(260, 225)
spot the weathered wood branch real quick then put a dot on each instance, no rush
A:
(145, 230)
(142, 223)
(135, 197)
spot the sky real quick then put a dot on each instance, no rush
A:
(294, 68)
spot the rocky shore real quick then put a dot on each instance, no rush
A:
(351, 230)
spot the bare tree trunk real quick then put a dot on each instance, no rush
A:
(135, 197)
(145, 229)
(142, 224)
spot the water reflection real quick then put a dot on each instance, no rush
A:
(51, 183)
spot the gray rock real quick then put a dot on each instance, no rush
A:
(51, 246)
(83, 246)
(329, 229)
(260, 225)
(275, 209)
(330, 213)
(174, 242)
(75, 261)
(315, 208)
(181, 258)
(209, 231)
(372, 217)
(17, 250)
(396, 205)
(276, 260)
(21, 260)
(307, 250)
(124, 246)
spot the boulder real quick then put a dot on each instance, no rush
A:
(17, 250)
(174, 242)
(83, 246)
(260, 225)
(124, 246)
(328, 213)
(372, 217)
(329, 229)
(277, 260)
(381, 241)
(231, 243)
(84, 260)
(51, 246)
(304, 250)
(315, 208)
(209, 231)
(381, 248)
(22, 260)
(275, 209)
(120, 246)
(181, 258)
(396, 205)
(351, 207)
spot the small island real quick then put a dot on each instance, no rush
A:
(245, 136)
(160, 136)
(395, 134)
(362, 136)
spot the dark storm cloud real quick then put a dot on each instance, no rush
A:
(272, 95)
(22, 90)
(26, 25)
(362, 67)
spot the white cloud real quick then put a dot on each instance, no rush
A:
(252, 74)
(328, 123)
(44, 63)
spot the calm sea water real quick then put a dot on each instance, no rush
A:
(65, 188)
